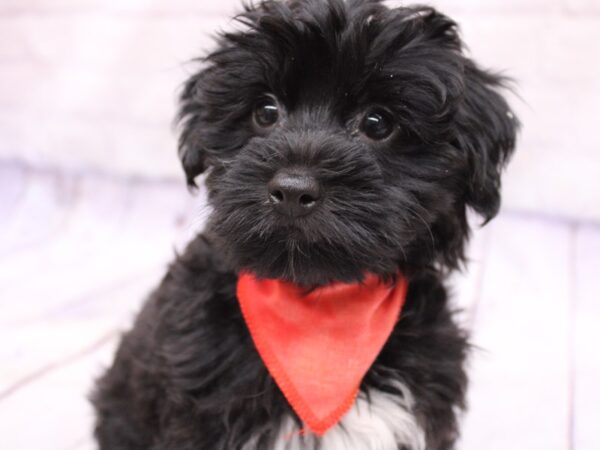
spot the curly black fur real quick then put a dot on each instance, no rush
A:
(187, 376)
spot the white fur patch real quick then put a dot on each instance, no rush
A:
(382, 421)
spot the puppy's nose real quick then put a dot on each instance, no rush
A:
(294, 193)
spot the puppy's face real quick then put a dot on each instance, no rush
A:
(343, 138)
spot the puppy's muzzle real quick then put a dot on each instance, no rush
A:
(294, 193)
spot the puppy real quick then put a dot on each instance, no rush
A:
(340, 138)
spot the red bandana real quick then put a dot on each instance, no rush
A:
(319, 346)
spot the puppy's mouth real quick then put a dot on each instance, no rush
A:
(310, 242)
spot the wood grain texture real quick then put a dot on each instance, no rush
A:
(586, 336)
(519, 392)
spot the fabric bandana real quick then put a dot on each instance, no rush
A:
(318, 345)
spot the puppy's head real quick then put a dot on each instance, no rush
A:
(344, 138)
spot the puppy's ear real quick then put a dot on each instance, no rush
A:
(190, 117)
(487, 131)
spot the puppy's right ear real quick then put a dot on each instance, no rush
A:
(190, 118)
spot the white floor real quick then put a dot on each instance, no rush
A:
(79, 253)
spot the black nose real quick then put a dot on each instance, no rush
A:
(294, 193)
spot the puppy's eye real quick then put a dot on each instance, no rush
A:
(266, 112)
(377, 124)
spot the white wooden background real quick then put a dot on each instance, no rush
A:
(92, 207)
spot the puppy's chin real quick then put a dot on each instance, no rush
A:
(284, 252)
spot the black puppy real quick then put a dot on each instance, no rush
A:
(340, 138)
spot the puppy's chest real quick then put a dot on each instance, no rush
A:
(379, 421)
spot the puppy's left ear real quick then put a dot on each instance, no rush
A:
(486, 132)
(191, 150)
